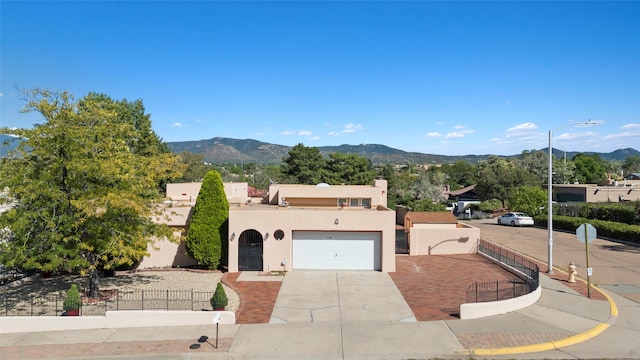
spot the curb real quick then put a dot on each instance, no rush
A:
(551, 345)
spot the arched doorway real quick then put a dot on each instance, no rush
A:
(250, 251)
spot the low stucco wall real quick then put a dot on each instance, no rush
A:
(483, 309)
(441, 241)
(112, 320)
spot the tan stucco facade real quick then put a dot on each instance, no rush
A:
(439, 233)
(267, 219)
(289, 209)
(627, 190)
(237, 192)
(324, 209)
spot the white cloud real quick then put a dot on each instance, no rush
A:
(454, 135)
(434, 134)
(626, 134)
(297, 132)
(351, 127)
(521, 129)
(347, 129)
(178, 124)
(315, 138)
(631, 126)
(1, 94)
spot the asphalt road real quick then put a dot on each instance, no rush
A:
(616, 266)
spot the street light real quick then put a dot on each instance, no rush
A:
(550, 193)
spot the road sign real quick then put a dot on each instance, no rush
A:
(586, 231)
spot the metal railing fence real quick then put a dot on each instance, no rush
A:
(502, 290)
(496, 290)
(126, 299)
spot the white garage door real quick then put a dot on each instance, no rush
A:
(336, 250)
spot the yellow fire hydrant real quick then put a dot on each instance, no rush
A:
(572, 273)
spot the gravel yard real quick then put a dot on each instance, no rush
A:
(179, 282)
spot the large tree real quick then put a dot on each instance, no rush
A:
(208, 226)
(350, 169)
(590, 168)
(497, 177)
(85, 188)
(304, 165)
(528, 199)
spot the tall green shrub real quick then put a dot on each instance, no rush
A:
(208, 225)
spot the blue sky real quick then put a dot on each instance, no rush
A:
(448, 78)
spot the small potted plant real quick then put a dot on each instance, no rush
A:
(219, 299)
(72, 301)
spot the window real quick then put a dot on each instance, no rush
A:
(355, 202)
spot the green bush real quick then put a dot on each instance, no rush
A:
(208, 226)
(72, 301)
(605, 229)
(219, 298)
(622, 212)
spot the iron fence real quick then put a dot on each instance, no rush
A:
(110, 300)
(496, 290)
(527, 280)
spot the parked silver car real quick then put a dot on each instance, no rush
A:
(515, 219)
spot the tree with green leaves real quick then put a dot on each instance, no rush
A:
(86, 190)
(304, 165)
(590, 168)
(350, 169)
(460, 174)
(208, 226)
(196, 169)
(497, 177)
(528, 199)
(631, 164)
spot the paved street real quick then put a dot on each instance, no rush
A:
(616, 266)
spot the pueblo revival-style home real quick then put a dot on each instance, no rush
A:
(345, 227)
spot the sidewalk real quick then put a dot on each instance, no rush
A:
(563, 316)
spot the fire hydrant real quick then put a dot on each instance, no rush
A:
(572, 272)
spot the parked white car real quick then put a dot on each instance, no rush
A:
(515, 219)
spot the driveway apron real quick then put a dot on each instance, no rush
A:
(314, 296)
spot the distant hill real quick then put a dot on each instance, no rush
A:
(12, 143)
(225, 150)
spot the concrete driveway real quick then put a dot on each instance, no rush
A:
(339, 296)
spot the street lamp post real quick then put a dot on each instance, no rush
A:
(550, 194)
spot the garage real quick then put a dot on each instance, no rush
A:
(335, 250)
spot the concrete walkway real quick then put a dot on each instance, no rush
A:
(360, 315)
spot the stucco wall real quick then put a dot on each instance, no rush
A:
(267, 219)
(439, 240)
(112, 320)
(484, 309)
(165, 253)
(188, 192)
(377, 193)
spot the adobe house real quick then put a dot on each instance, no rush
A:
(438, 233)
(346, 227)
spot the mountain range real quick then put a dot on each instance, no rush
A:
(225, 150)
(221, 150)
